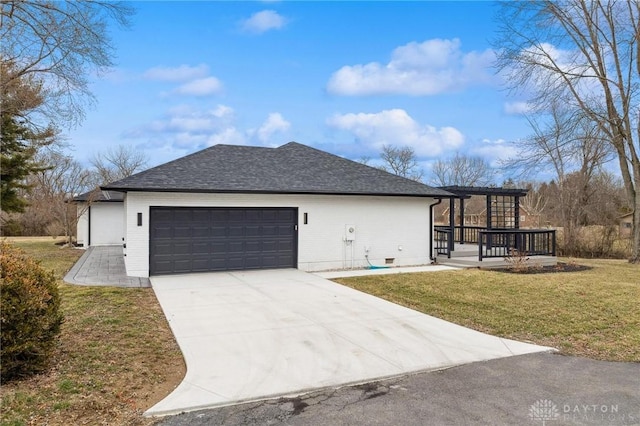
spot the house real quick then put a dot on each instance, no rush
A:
(626, 224)
(239, 207)
(100, 218)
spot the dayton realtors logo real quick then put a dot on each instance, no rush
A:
(544, 410)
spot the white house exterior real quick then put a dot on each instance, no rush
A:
(391, 232)
(100, 220)
(238, 207)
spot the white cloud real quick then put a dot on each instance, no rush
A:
(517, 108)
(264, 21)
(185, 128)
(183, 119)
(180, 73)
(495, 151)
(275, 123)
(418, 69)
(396, 127)
(200, 87)
(228, 136)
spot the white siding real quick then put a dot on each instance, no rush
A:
(107, 223)
(82, 227)
(391, 227)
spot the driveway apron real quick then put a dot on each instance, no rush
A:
(255, 335)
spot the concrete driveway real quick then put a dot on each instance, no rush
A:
(249, 336)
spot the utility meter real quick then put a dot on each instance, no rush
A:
(350, 232)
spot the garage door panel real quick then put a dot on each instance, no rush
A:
(285, 246)
(217, 239)
(253, 216)
(200, 265)
(235, 231)
(235, 262)
(218, 231)
(201, 231)
(237, 215)
(201, 248)
(269, 215)
(270, 230)
(219, 247)
(183, 215)
(252, 262)
(164, 267)
(181, 249)
(285, 231)
(253, 246)
(163, 231)
(163, 216)
(235, 247)
(252, 230)
(163, 249)
(270, 246)
(182, 232)
(203, 216)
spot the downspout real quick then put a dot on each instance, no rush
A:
(88, 226)
(431, 206)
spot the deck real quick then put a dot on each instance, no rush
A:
(466, 256)
(489, 248)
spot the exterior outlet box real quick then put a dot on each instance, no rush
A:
(349, 232)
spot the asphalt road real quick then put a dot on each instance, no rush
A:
(539, 389)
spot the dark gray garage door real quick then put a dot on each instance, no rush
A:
(187, 239)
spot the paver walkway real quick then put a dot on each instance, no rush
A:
(103, 265)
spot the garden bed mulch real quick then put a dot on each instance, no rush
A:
(538, 269)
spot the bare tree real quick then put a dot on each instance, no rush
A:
(462, 170)
(573, 150)
(584, 54)
(401, 161)
(536, 200)
(116, 163)
(59, 43)
(55, 187)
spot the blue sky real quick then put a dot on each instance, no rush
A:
(345, 77)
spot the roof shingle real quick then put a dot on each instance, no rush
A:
(291, 168)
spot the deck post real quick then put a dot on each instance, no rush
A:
(452, 223)
(462, 220)
(489, 217)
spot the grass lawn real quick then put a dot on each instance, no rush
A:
(117, 355)
(593, 313)
(116, 358)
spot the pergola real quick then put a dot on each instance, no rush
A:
(501, 236)
(502, 204)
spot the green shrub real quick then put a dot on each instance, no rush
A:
(30, 314)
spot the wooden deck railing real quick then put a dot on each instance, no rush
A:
(504, 243)
(443, 240)
(496, 242)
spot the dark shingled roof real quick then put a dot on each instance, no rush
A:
(100, 196)
(292, 168)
